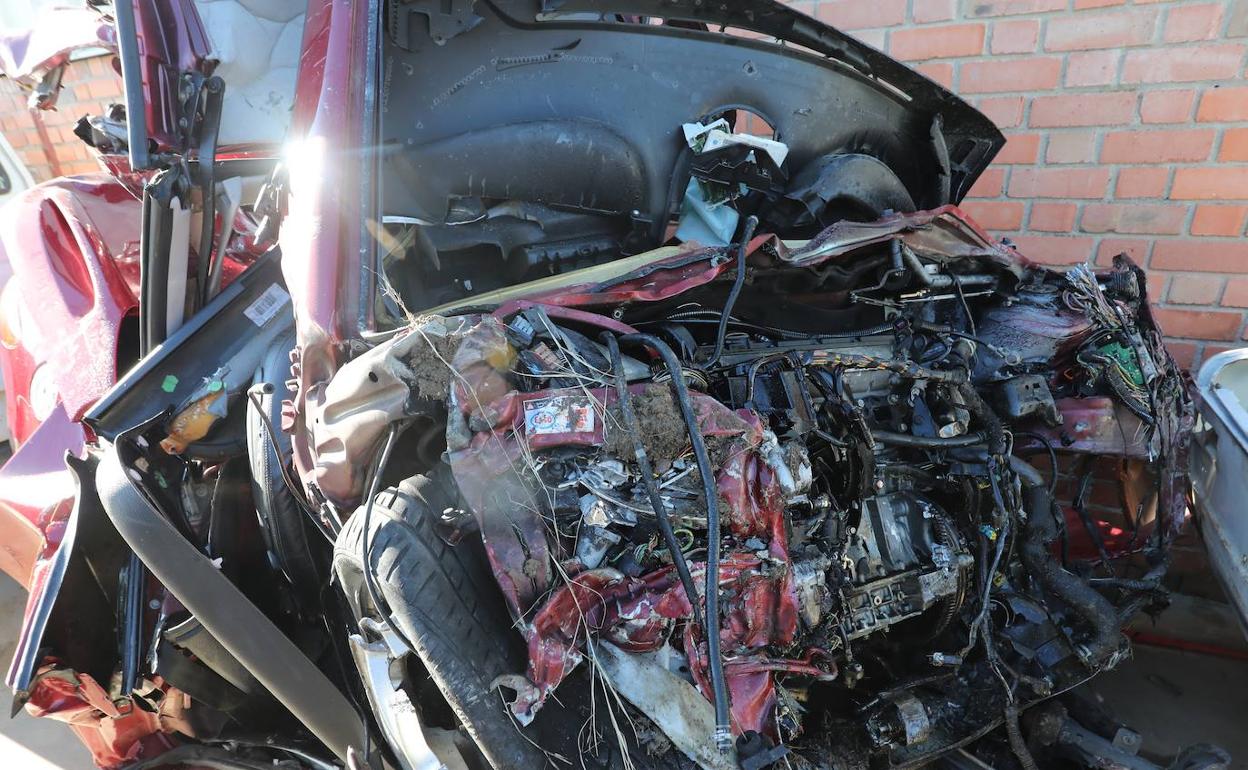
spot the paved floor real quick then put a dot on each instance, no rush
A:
(27, 743)
(1174, 699)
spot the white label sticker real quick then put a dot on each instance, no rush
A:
(267, 305)
(559, 414)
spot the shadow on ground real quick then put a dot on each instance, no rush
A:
(27, 743)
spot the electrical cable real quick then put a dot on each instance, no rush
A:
(719, 688)
(271, 432)
(928, 442)
(647, 472)
(1048, 445)
(750, 225)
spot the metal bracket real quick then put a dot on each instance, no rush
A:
(446, 19)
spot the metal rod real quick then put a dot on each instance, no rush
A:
(132, 77)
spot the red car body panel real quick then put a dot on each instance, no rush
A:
(173, 42)
(115, 735)
(73, 247)
(73, 244)
(320, 236)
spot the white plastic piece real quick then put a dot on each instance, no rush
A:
(257, 43)
(179, 259)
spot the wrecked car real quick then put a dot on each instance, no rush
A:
(524, 409)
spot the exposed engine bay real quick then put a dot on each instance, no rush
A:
(867, 468)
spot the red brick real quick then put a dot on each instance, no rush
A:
(1198, 324)
(20, 139)
(1033, 74)
(1015, 36)
(1019, 148)
(1059, 182)
(876, 38)
(1193, 22)
(1202, 256)
(1167, 106)
(1213, 350)
(1135, 248)
(1081, 5)
(1219, 220)
(98, 66)
(1181, 65)
(937, 42)
(1154, 284)
(1142, 183)
(1071, 147)
(1092, 68)
(938, 72)
(1157, 146)
(31, 155)
(1059, 111)
(1082, 31)
(1227, 183)
(927, 11)
(1234, 145)
(996, 215)
(989, 185)
(104, 89)
(1055, 249)
(1052, 217)
(982, 8)
(1238, 25)
(1185, 354)
(853, 14)
(1223, 104)
(1199, 289)
(1133, 218)
(1005, 111)
(1236, 294)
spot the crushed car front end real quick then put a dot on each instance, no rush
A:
(724, 446)
(646, 401)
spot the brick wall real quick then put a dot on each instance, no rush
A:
(1128, 131)
(1127, 124)
(44, 140)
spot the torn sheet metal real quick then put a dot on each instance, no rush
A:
(686, 717)
(348, 418)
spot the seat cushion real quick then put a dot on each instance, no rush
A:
(256, 43)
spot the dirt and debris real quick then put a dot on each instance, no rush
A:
(663, 431)
(430, 363)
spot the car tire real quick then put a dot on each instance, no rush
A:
(444, 601)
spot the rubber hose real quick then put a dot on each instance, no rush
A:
(719, 687)
(995, 429)
(750, 225)
(1015, 735)
(647, 473)
(1037, 556)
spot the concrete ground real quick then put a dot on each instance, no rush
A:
(27, 743)
(1175, 698)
